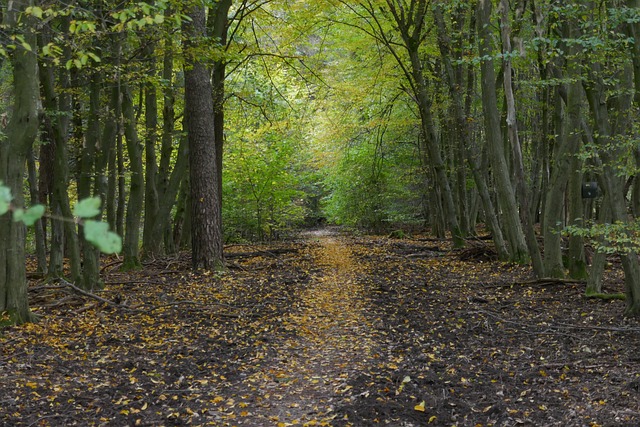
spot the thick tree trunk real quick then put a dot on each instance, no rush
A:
(595, 90)
(567, 145)
(206, 243)
(22, 131)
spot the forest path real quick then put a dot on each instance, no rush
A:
(332, 340)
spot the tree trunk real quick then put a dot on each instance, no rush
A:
(206, 236)
(464, 136)
(41, 247)
(595, 89)
(523, 193)
(506, 195)
(151, 195)
(22, 131)
(131, 244)
(90, 256)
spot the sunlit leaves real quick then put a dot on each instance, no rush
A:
(99, 235)
(87, 208)
(30, 216)
(5, 199)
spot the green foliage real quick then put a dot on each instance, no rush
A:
(262, 184)
(369, 192)
(30, 216)
(616, 238)
(98, 234)
(5, 199)
(95, 232)
(87, 208)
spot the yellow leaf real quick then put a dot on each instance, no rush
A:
(144, 406)
(419, 406)
(432, 419)
(31, 385)
(244, 413)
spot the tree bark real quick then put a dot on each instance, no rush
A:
(506, 195)
(206, 236)
(22, 131)
(131, 244)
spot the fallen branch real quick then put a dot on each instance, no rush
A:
(91, 295)
(606, 297)
(557, 326)
(548, 281)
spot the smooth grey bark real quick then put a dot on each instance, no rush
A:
(576, 257)
(168, 135)
(506, 196)
(131, 243)
(90, 256)
(151, 195)
(567, 145)
(595, 90)
(464, 135)
(41, 249)
(633, 29)
(169, 195)
(522, 192)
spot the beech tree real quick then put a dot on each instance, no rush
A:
(21, 131)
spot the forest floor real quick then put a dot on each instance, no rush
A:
(326, 330)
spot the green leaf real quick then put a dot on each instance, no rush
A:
(5, 199)
(98, 234)
(87, 208)
(30, 216)
(35, 11)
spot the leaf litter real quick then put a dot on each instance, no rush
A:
(327, 330)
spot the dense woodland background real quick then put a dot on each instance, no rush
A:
(199, 123)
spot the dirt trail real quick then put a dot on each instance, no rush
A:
(331, 341)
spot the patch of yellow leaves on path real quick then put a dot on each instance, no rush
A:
(331, 344)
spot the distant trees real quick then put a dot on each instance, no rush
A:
(370, 113)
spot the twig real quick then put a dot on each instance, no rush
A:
(559, 325)
(91, 295)
(45, 287)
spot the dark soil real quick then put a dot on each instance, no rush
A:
(328, 330)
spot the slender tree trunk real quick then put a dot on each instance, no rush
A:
(506, 195)
(90, 256)
(168, 133)
(151, 195)
(131, 244)
(41, 247)
(218, 25)
(464, 135)
(512, 130)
